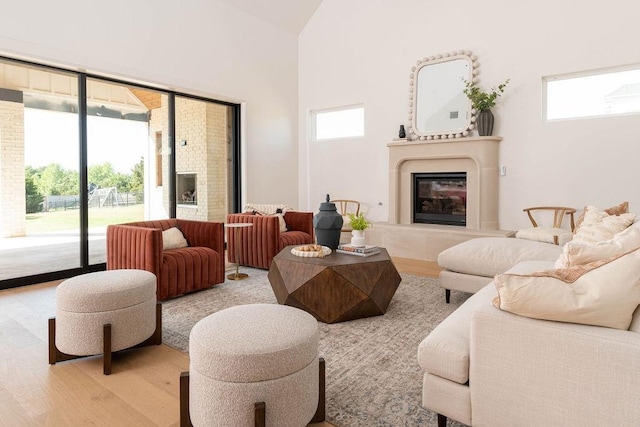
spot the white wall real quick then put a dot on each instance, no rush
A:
(361, 51)
(196, 46)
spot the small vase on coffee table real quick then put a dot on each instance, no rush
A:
(357, 238)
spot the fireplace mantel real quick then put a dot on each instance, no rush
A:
(477, 156)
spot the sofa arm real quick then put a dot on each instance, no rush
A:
(257, 244)
(300, 221)
(528, 372)
(204, 234)
(134, 247)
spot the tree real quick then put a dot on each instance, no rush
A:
(34, 198)
(53, 179)
(137, 180)
(137, 176)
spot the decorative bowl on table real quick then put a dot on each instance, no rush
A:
(311, 251)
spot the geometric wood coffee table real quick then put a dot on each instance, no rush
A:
(335, 288)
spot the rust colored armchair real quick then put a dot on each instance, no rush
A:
(139, 245)
(261, 242)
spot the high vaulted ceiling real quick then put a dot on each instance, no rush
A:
(289, 15)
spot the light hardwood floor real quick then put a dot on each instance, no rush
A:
(142, 390)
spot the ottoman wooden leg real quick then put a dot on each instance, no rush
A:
(106, 349)
(320, 412)
(185, 418)
(56, 355)
(260, 414)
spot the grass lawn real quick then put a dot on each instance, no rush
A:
(43, 222)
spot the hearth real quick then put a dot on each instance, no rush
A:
(440, 198)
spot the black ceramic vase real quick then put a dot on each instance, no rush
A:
(484, 121)
(328, 224)
(402, 133)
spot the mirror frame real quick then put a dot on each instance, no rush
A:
(413, 133)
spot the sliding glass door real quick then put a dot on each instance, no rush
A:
(125, 128)
(80, 152)
(39, 170)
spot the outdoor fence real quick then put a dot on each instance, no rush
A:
(98, 199)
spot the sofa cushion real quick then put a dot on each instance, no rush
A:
(545, 234)
(602, 293)
(620, 209)
(577, 254)
(599, 226)
(295, 238)
(445, 351)
(488, 256)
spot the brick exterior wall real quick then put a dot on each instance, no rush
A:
(13, 221)
(205, 128)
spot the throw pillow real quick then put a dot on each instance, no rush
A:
(599, 226)
(577, 254)
(620, 209)
(283, 224)
(172, 238)
(602, 293)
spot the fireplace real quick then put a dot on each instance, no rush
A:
(186, 185)
(475, 156)
(440, 198)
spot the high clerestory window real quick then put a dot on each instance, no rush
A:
(605, 92)
(339, 122)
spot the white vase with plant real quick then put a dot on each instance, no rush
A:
(358, 225)
(482, 102)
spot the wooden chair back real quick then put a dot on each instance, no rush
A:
(559, 213)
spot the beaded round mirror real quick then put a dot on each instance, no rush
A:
(438, 107)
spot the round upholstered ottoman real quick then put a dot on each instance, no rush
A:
(104, 312)
(253, 354)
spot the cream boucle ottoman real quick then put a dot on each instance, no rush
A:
(103, 312)
(251, 364)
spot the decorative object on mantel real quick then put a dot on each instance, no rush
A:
(402, 133)
(358, 225)
(328, 225)
(483, 102)
(437, 78)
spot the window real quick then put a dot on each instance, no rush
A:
(613, 91)
(340, 122)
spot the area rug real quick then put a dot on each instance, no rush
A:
(372, 372)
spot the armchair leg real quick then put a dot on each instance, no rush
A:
(447, 295)
(442, 420)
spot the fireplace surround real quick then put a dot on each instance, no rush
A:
(475, 156)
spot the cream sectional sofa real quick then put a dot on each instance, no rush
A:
(487, 367)
(470, 265)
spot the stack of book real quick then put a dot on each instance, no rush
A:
(366, 250)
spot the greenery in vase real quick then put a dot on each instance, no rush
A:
(358, 222)
(483, 100)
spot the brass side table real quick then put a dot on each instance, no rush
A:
(237, 226)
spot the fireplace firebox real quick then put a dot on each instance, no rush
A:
(440, 198)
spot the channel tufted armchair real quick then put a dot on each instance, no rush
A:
(261, 242)
(139, 245)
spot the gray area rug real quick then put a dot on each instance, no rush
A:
(372, 372)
